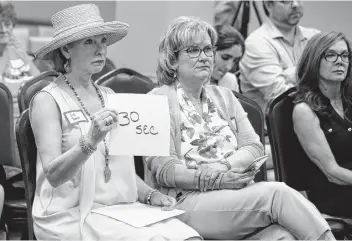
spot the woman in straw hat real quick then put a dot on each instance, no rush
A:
(75, 173)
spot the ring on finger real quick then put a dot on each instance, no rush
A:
(206, 181)
(212, 178)
(108, 121)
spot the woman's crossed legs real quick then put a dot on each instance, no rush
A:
(235, 214)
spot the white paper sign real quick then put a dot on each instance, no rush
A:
(144, 125)
(137, 214)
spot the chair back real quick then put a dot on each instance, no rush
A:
(30, 88)
(291, 163)
(256, 117)
(7, 134)
(28, 155)
(128, 81)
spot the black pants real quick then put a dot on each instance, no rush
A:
(335, 200)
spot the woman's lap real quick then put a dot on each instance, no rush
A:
(233, 214)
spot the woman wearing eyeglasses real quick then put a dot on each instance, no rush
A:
(229, 51)
(322, 120)
(212, 142)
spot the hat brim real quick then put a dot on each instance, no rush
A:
(114, 31)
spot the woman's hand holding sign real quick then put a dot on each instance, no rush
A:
(103, 121)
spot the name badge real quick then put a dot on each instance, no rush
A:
(75, 116)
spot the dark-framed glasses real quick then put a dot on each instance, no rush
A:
(332, 56)
(195, 51)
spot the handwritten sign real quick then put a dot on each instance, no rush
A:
(143, 127)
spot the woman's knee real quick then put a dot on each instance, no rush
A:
(273, 232)
(194, 238)
(281, 233)
(279, 188)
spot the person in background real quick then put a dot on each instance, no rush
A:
(225, 11)
(212, 142)
(267, 68)
(322, 119)
(272, 52)
(229, 50)
(16, 66)
(71, 125)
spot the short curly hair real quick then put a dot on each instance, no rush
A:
(7, 12)
(179, 35)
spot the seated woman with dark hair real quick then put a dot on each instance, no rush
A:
(211, 144)
(229, 50)
(322, 119)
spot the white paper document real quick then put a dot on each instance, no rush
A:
(137, 214)
(143, 126)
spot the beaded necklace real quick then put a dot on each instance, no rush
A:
(107, 172)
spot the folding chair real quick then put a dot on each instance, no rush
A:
(126, 80)
(14, 211)
(28, 155)
(291, 163)
(30, 88)
(256, 118)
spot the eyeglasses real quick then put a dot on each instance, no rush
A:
(194, 51)
(332, 56)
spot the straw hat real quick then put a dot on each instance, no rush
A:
(78, 22)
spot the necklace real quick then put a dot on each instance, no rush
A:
(196, 100)
(107, 172)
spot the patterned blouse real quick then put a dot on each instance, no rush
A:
(204, 139)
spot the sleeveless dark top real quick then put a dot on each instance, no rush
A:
(330, 197)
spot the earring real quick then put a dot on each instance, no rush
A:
(67, 66)
(175, 75)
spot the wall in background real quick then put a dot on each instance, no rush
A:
(43, 10)
(148, 20)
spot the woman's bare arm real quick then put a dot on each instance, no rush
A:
(45, 119)
(307, 127)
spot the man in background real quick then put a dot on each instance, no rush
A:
(225, 11)
(272, 52)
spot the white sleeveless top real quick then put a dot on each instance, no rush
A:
(55, 205)
(65, 212)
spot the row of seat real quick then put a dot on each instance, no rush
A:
(121, 81)
(286, 149)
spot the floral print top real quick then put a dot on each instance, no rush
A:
(204, 139)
